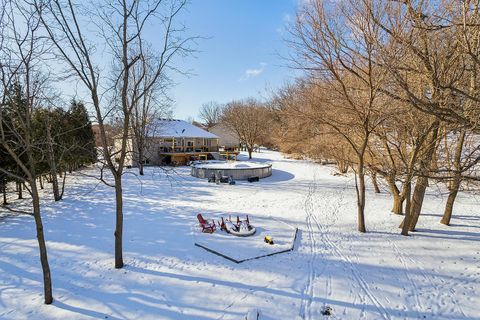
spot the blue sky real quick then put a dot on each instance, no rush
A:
(241, 56)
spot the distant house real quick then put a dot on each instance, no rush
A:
(108, 132)
(229, 142)
(175, 142)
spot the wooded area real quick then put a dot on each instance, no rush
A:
(391, 91)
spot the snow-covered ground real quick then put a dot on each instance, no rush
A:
(434, 274)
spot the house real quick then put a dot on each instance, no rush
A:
(229, 142)
(170, 141)
(108, 132)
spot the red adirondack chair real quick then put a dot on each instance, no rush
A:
(206, 225)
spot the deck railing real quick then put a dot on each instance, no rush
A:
(185, 149)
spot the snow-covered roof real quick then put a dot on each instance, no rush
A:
(173, 128)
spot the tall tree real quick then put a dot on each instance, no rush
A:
(249, 120)
(78, 137)
(337, 46)
(48, 122)
(455, 165)
(431, 55)
(123, 26)
(211, 113)
(23, 84)
(153, 104)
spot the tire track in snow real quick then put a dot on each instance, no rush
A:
(307, 294)
(331, 212)
(316, 249)
(324, 231)
(356, 273)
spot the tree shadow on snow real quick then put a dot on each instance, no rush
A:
(454, 216)
(448, 234)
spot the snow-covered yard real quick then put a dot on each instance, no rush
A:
(434, 274)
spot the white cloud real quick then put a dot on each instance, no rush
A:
(254, 72)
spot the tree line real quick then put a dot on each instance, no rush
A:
(390, 90)
(248, 119)
(62, 141)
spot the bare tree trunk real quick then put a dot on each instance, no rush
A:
(373, 176)
(4, 191)
(422, 182)
(140, 160)
(63, 185)
(56, 191)
(250, 150)
(53, 165)
(408, 196)
(40, 179)
(457, 180)
(342, 166)
(47, 281)
(397, 204)
(414, 204)
(397, 198)
(360, 188)
(20, 190)
(407, 188)
(119, 223)
(447, 214)
(417, 201)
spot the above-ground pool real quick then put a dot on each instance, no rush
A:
(238, 170)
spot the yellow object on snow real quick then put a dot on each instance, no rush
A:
(268, 239)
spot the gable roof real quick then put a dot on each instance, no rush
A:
(173, 128)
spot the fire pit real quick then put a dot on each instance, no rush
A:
(239, 229)
(241, 249)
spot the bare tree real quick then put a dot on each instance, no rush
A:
(211, 113)
(457, 160)
(455, 165)
(432, 57)
(295, 131)
(438, 44)
(249, 120)
(123, 26)
(387, 77)
(21, 50)
(153, 105)
(337, 46)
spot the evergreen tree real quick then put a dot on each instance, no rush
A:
(82, 138)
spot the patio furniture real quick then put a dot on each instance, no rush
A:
(208, 226)
(253, 179)
(212, 178)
